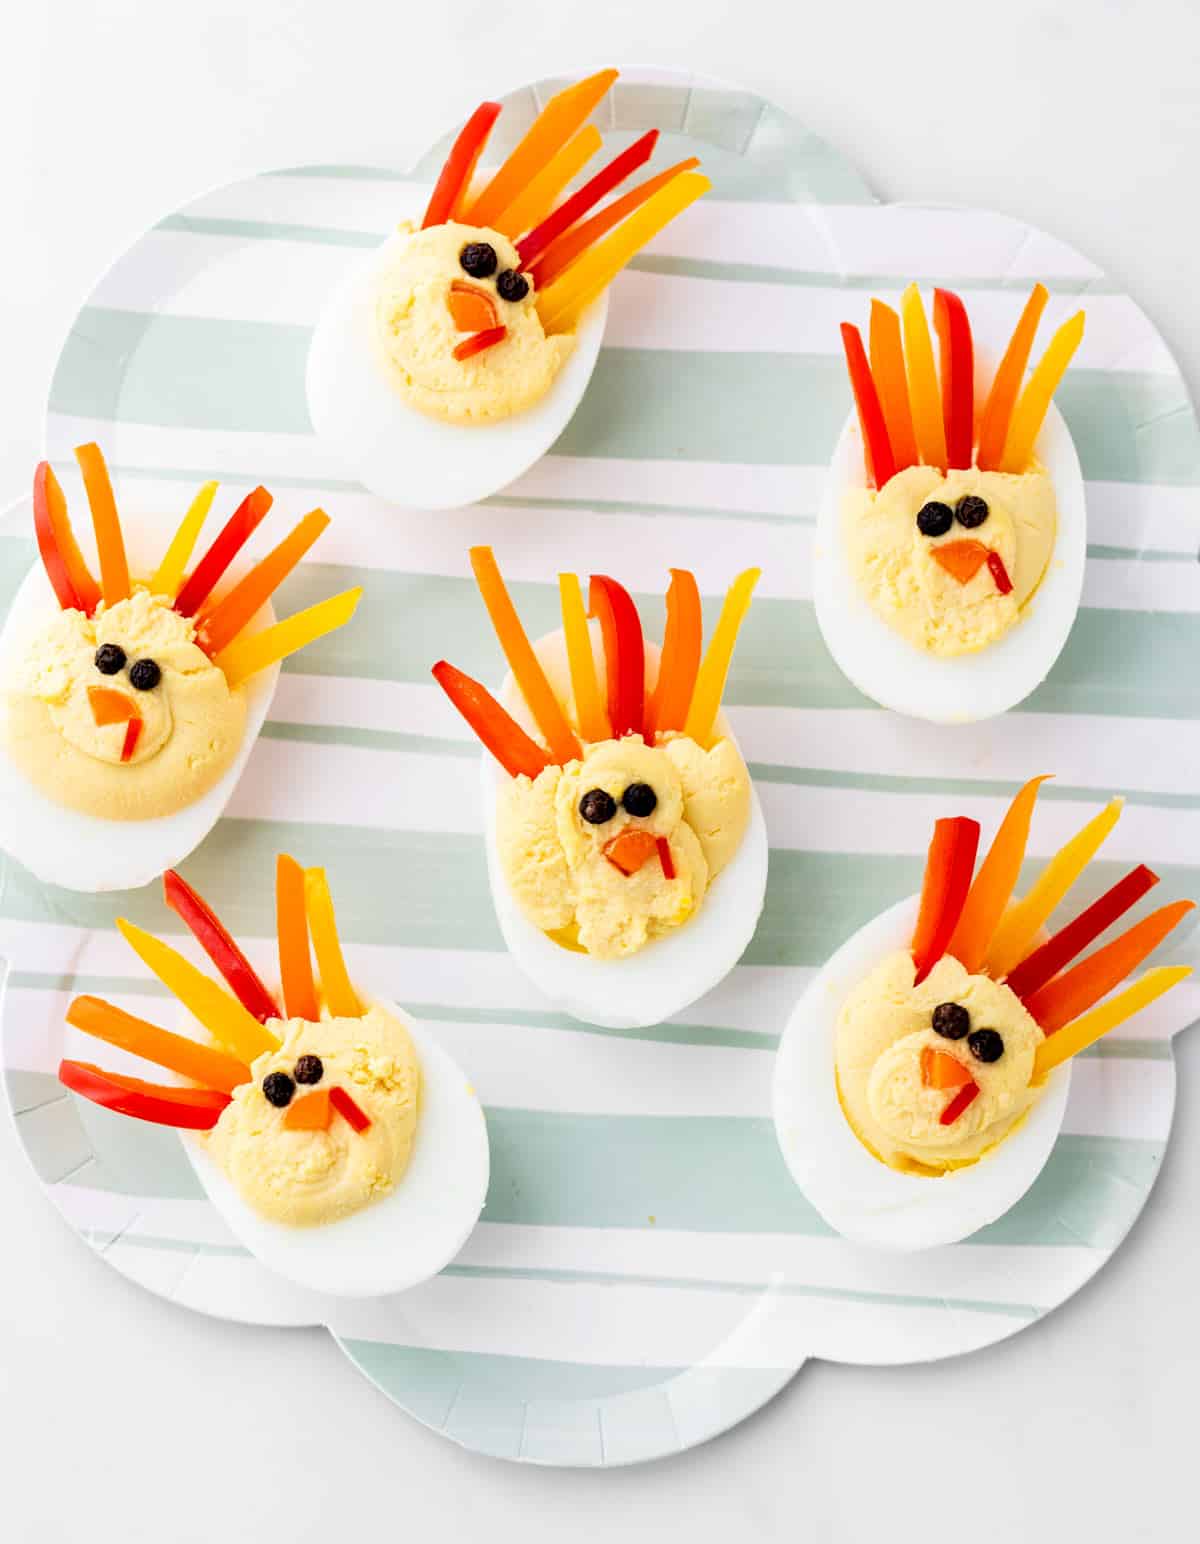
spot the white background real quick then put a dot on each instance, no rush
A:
(124, 1419)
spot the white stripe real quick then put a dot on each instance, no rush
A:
(1113, 1097)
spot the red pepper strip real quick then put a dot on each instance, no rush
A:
(488, 338)
(683, 640)
(624, 654)
(999, 573)
(220, 947)
(948, 870)
(68, 573)
(197, 1109)
(1081, 987)
(531, 247)
(233, 537)
(1059, 950)
(956, 356)
(497, 729)
(664, 857)
(460, 164)
(877, 448)
(133, 733)
(345, 1105)
(966, 1095)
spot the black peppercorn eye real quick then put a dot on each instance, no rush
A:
(478, 258)
(144, 675)
(596, 807)
(278, 1089)
(951, 1021)
(986, 1045)
(308, 1069)
(934, 518)
(511, 285)
(971, 511)
(639, 799)
(110, 658)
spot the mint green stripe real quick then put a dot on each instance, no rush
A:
(430, 890)
(269, 230)
(775, 409)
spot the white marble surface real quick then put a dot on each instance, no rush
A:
(124, 1419)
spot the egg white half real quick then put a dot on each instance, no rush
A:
(671, 972)
(78, 851)
(409, 1235)
(966, 687)
(854, 1192)
(403, 455)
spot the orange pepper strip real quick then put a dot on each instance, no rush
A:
(454, 183)
(994, 883)
(562, 116)
(887, 368)
(221, 1014)
(941, 1070)
(713, 673)
(948, 870)
(245, 656)
(1061, 948)
(496, 729)
(218, 627)
(470, 309)
(591, 711)
(962, 560)
(109, 706)
(1087, 1029)
(169, 576)
(311, 1112)
(202, 1063)
(1034, 401)
(1020, 923)
(1078, 989)
(923, 394)
(561, 306)
(532, 205)
(524, 663)
(340, 996)
(61, 557)
(683, 641)
(114, 569)
(573, 243)
(997, 412)
(291, 926)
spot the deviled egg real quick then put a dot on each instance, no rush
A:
(341, 1144)
(922, 1080)
(950, 543)
(129, 704)
(627, 852)
(450, 359)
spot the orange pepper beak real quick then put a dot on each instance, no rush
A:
(313, 1112)
(631, 849)
(941, 1070)
(962, 560)
(472, 309)
(110, 706)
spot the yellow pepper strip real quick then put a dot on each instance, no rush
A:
(340, 997)
(523, 662)
(110, 545)
(204, 1064)
(218, 1010)
(710, 682)
(998, 409)
(291, 929)
(993, 885)
(1035, 399)
(1088, 1028)
(170, 571)
(246, 656)
(887, 368)
(563, 115)
(591, 710)
(1020, 923)
(531, 207)
(560, 305)
(924, 396)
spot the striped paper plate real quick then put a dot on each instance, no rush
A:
(645, 1274)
